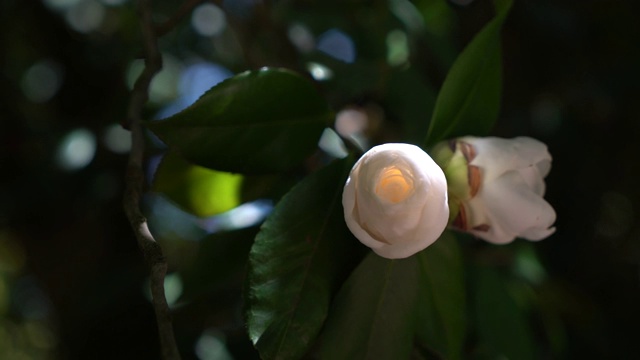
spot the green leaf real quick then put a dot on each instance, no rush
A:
(469, 101)
(197, 190)
(269, 186)
(374, 314)
(441, 28)
(256, 122)
(441, 317)
(300, 257)
(407, 97)
(502, 327)
(219, 262)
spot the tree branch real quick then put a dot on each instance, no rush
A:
(152, 252)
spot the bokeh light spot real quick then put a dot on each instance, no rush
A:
(42, 81)
(338, 45)
(397, 48)
(407, 12)
(197, 78)
(208, 20)
(76, 150)
(319, 71)
(117, 139)
(167, 220)
(164, 86)
(194, 81)
(301, 37)
(245, 215)
(211, 346)
(528, 265)
(85, 16)
(352, 123)
(331, 143)
(133, 71)
(172, 288)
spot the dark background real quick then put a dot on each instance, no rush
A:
(73, 278)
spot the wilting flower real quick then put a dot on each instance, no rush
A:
(395, 200)
(496, 186)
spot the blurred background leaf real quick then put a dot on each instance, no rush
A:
(220, 260)
(502, 326)
(198, 190)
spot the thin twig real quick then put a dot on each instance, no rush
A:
(135, 179)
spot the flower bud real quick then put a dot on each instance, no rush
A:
(496, 187)
(395, 200)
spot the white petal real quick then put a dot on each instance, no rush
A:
(389, 222)
(536, 234)
(382, 218)
(479, 216)
(434, 221)
(544, 166)
(494, 235)
(495, 156)
(515, 207)
(533, 179)
(350, 213)
(396, 229)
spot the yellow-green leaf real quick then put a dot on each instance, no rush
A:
(197, 190)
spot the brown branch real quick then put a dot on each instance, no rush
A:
(152, 252)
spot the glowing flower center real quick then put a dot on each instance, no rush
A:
(393, 185)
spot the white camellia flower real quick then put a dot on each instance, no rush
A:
(395, 200)
(497, 187)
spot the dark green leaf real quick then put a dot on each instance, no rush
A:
(441, 317)
(440, 22)
(469, 101)
(407, 97)
(374, 314)
(503, 330)
(268, 186)
(352, 81)
(219, 261)
(256, 122)
(299, 259)
(197, 190)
